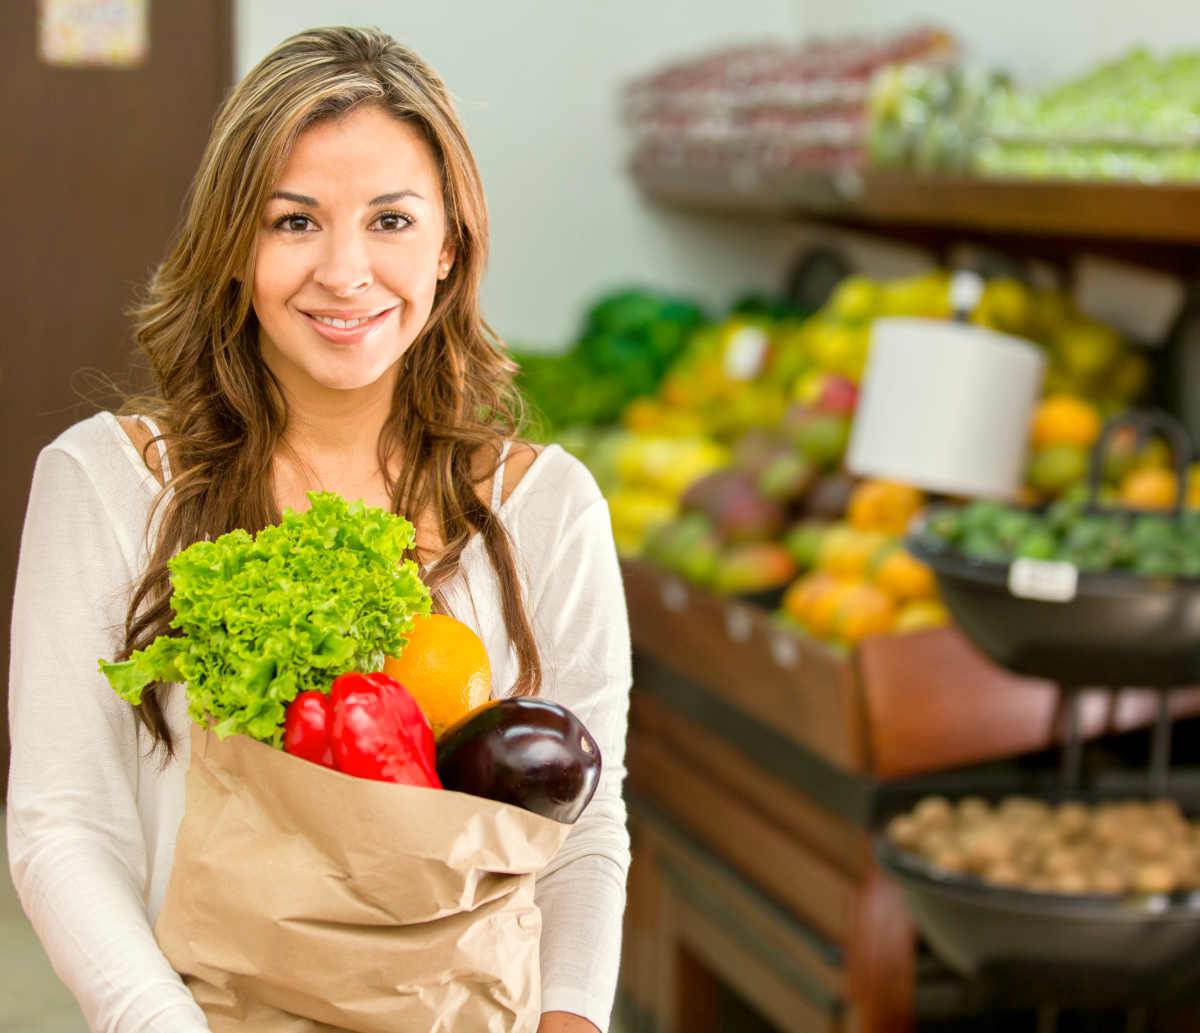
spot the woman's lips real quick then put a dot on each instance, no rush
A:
(350, 334)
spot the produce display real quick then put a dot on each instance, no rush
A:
(297, 636)
(1133, 118)
(626, 343)
(929, 117)
(1073, 848)
(1149, 544)
(767, 106)
(730, 473)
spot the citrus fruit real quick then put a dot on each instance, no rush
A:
(886, 506)
(904, 577)
(824, 607)
(1065, 420)
(445, 669)
(1149, 488)
(860, 611)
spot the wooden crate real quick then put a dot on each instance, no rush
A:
(900, 705)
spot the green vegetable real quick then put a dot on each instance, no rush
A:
(263, 618)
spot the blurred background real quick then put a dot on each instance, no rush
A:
(706, 220)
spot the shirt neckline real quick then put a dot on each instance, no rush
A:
(148, 479)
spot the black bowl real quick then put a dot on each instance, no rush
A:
(1051, 945)
(1120, 629)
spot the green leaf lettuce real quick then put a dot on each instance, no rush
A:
(265, 617)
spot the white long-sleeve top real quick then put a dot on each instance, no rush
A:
(92, 819)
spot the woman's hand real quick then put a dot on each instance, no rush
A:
(564, 1022)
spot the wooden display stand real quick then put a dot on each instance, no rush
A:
(760, 765)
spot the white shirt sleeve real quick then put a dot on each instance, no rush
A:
(583, 634)
(75, 840)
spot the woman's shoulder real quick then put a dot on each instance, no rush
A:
(545, 483)
(106, 446)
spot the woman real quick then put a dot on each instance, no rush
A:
(314, 326)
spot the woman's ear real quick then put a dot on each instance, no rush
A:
(445, 263)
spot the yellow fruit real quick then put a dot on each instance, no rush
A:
(1065, 420)
(924, 613)
(1005, 305)
(856, 298)
(1130, 377)
(886, 506)
(927, 296)
(904, 578)
(832, 346)
(1149, 488)
(445, 669)
(860, 611)
(1193, 488)
(1086, 348)
(847, 553)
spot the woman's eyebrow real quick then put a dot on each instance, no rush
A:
(311, 202)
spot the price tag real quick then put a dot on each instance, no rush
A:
(739, 624)
(745, 353)
(1043, 580)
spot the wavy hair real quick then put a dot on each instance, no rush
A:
(220, 409)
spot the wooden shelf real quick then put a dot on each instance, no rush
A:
(1168, 214)
(900, 706)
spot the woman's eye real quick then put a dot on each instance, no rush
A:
(392, 217)
(288, 221)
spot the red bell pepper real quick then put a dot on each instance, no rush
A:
(367, 725)
(307, 727)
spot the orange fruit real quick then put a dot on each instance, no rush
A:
(1149, 488)
(904, 577)
(444, 667)
(885, 506)
(798, 600)
(823, 610)
(861, 611)
(1065, 420)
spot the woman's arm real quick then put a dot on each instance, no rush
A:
(75, 838)
(564, 1022)
(583, 637)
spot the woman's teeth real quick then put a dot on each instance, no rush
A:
(343, 324)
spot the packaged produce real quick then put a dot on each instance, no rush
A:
(768, 107)
(330, 767)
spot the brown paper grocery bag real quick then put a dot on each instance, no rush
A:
(303, 900)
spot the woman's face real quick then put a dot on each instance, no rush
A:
(354, 230)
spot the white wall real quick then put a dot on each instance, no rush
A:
(1039, 41)
(536, 82)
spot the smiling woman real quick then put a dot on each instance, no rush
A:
(346, 270)
(315, 324)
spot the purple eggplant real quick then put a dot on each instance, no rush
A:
(530, 753)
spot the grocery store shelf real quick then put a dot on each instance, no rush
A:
(1167, 214)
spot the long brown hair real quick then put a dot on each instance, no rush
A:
(220, 408)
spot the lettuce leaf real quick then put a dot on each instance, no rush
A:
(262, 618)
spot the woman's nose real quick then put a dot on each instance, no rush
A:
(345, 265)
